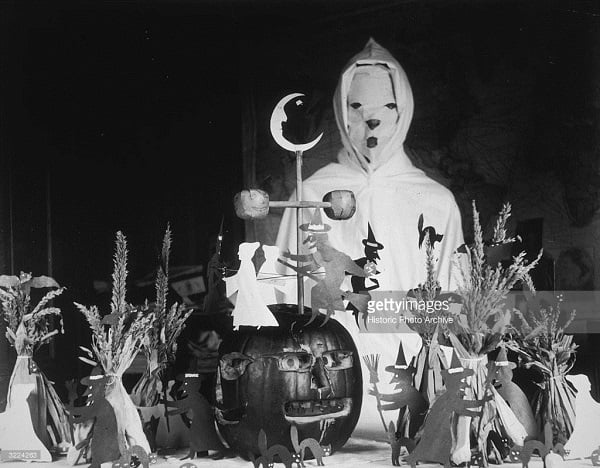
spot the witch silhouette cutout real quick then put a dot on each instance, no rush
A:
(369, 262)
(438, 434)
(408, 400)
(327, 293)
(502, 375)
(202, 433)
(250, 308)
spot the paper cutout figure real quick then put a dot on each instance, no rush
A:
(407, 397)
(429, 230)
(258, 461)
(271, 285)
(397, 443)
(359, 283)
(500, 444)
(202, 432)
(585, 437)
(523, 453)
(108, 441)
(326, 294)
(17, 432)
(309, 443)
(502, 373)
(175, 434)
(436, 440)
(269, 454)
(250, 309)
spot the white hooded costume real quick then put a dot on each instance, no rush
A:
(391, 195)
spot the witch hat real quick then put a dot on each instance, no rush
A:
(455, 364)
(316, 223)
(370, 240)
(502, 359)
(400, 362)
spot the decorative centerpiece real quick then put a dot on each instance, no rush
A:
(479, 328)
(116, 340)
(159, 346)
(287, 365)
(538, 337)
(35, 418)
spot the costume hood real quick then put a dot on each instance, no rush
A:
(374, 54)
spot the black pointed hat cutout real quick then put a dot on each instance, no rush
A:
(455, 364)
(370, 240)
(316, 223)
(400, 362)
(502, 359)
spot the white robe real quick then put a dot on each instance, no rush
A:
(390, 194)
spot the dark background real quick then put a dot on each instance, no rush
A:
(126, 115)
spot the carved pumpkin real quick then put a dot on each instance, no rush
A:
(272, 377)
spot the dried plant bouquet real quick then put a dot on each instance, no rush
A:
(29, 327)
(160, 344)
(482, 322)
(430, 360)
(116, 340)
(538, 337)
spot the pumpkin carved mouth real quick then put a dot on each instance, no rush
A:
(307, 411)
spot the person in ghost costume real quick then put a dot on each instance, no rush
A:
(373, 107)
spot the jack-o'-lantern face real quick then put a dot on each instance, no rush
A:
(308, 376)
(372, 110)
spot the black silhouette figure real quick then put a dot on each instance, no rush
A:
(326, 294)
(107, 441)
(429, 230)
(258, 461)
(435, 444)
(301, 446)
(277, 452)
(525, 452)
(203, 435)
(397, 443)
(501, 371)
(359, 282)
(407, 397)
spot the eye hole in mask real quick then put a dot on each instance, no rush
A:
(338, 359)
(294, 362)
(233, 365)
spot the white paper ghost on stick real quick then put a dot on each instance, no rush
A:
(250, 308)
(586, 436)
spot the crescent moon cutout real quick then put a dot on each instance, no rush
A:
(277, 117)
